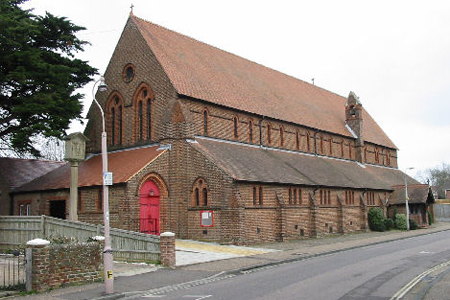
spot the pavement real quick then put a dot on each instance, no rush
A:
(200, 262)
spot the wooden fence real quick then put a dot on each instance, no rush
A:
(15, 231)
(441, 212)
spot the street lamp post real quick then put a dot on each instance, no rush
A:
(406, 199)
(107, 253)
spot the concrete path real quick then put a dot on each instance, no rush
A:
(190, 252)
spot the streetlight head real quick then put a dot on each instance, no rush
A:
(102, 86)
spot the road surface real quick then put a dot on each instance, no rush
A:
(373, 273)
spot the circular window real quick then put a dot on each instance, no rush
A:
(128, 73)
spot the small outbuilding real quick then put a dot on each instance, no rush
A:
(421, 199)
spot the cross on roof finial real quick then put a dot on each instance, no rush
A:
(131, 7)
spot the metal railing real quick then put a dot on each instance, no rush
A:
(12, 271)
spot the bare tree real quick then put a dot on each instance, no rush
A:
(50, 148)
(438, 177)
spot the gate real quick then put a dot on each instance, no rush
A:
(12, 271)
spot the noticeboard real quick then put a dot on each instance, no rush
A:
(206, 218)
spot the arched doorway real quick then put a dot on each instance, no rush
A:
(149, 208)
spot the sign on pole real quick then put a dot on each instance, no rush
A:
(107, 178)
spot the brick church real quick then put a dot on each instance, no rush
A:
(215, 147)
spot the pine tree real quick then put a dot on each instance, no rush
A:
(38, 75)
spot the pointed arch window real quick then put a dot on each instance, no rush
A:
(261, 196)
(114, 106)
(205, 122)
(377, 156)
(331, 146)
(321, 145)
(281, 136)
(257, 195)
(250, 131)
(205, 196)
(349, 197)
(308, 142)
(120, 119)
(113, 125)
(325, 197)
(200, 192)
(143, 113)
(149, 119)
(295, 196)
(388, 158)
(269, 134)
(197, 197)
(141, 121)
(235, 128)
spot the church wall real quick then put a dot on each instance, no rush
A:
(327, 220)
(261, 225)
(352, 218)
(221, 125)
(219, 188)
(131, 49)
(129, 206)
(297, 222)
(378, 155)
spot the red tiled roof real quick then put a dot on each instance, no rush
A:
(255, 164)
(18, 171)
(123, 164)
(204, 72)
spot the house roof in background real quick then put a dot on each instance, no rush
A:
(17, 171)
(204, 72)
(123, 164)
(252, 163)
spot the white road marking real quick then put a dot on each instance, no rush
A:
(197, 297)
(402, 292)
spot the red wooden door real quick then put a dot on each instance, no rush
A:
(149, 208)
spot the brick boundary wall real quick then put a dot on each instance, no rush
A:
(168, 249)
(54, 266)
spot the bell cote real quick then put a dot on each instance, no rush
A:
(354, 121)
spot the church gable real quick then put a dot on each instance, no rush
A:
(136, 98)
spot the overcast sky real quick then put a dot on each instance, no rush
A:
(395, 55)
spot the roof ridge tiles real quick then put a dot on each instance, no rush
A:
(202, 71)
